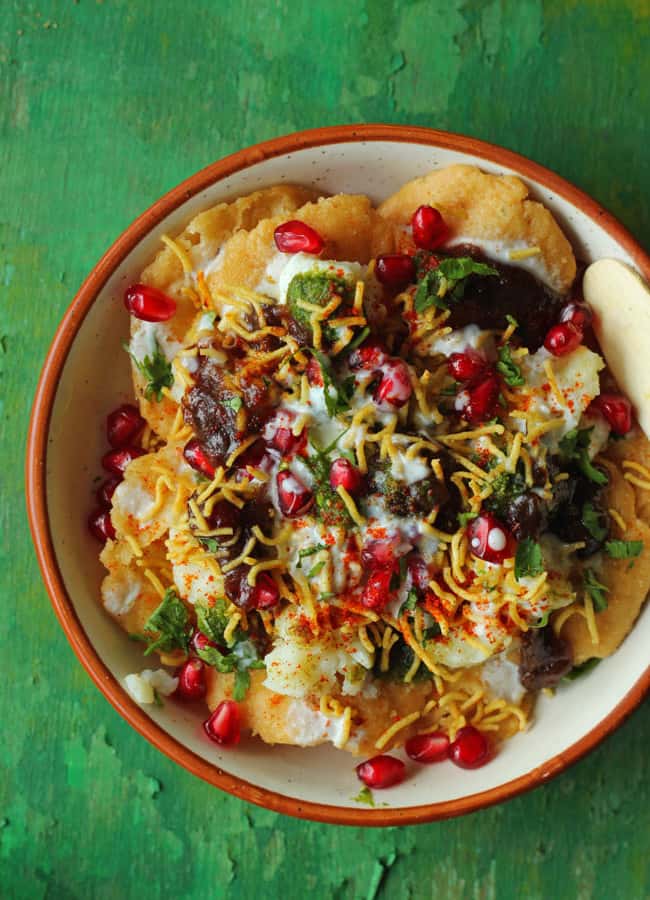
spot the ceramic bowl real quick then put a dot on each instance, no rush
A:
(86, 374)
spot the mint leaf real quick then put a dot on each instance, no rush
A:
(447, 281)
(595, 589)
(171, 622)
(528, 559)
(508, 368)
(156, 369)
(623, 549)
(591, 519)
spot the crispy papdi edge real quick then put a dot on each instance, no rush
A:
(628, 580)
(208, 231)
(478, 205)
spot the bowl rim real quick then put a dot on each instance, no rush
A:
(36, 453)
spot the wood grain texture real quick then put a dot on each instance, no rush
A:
(103, 107)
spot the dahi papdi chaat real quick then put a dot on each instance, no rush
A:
(381, 487)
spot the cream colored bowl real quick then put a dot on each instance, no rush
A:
(86, 374)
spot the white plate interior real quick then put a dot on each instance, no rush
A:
(96, 378)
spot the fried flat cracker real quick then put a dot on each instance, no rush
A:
(201, 240)
(351, 228)
(478, 205)
(628, 580)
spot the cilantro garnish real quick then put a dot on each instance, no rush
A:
(359, 339)
(365, 796)
(574, 448)
(308, 551)
(337, 396)
(243, 656)
(582, 669)
(505, 488)
(316, 569)
(508, 368)
(528, 559)
(433, 631)
(623, 549)
(592, 520)
(213, 620)
(234, 403)
(465, 517)
(409, 604)
(448, 281)
(512, 321)
(327, 595)
(172, 623)
(156, 369)
(543, 622)
(595, 589)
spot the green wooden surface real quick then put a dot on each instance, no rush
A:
(104, 106)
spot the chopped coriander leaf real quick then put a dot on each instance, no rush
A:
(505, 488)
(433, 631)
(448, 281)
(234, 403)
(465, 517)
(512, 321)
(244, 656)
(582, 669)
(213, 620)
(327, 595)
(210, 544)
(543, 622)
(574, 447)
(592, 520)
(409, 604)
(528, 559)
(308, 551)
(337, 397)
(365, 796)
(140, 638)
(171, 622)
(316, 569)
(595, 589)
(242, 684)
(157, 699)
(359, 339)
(508, 368)
(623, 549)
(156, 369)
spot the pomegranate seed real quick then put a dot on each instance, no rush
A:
(314, 373)
(381, 771)
(419, 572)
(578, 314)
(256, 457)
(428, 748)
(223, 515)
(616, 410)
(100, 525)
(380, 553)
(395, 385)
(370, 355)
(123, 425)
(297, 237)
(429, 228)
(293, 497)
(466, 366)
(279, 435)
(201, 641)
(223, 727)
(482, 399)
(377, 593)
(344, 473)
(489, 539)
(265, 593)
(562, 339)
(197, 458)
(148, 303)
(116, 461)
(191, 680)
(471, 748)
(395, 269)
(106, 490)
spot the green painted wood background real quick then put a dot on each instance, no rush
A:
(106, 105)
